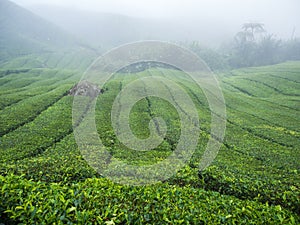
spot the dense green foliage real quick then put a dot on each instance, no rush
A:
(254, 179)
(252, 46)
(102, 202)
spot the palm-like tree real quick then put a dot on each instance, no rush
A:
(251, 28)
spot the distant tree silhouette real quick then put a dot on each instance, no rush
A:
(252, 28)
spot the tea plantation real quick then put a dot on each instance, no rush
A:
(44, 179)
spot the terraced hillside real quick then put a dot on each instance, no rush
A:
(254, 179)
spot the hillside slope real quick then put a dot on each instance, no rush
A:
(253, 180)
(23, 33)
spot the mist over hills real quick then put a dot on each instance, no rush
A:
(22, 33)
(211, 22)
(43, 29)
(109, 29)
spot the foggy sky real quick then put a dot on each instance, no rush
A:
(279, 16)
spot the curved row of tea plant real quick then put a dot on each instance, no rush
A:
(36, 136)
(253, 179)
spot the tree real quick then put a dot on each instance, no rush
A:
(214, 59)
(245, 45)
(269, 51)
(291, 49)
(250, 29)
